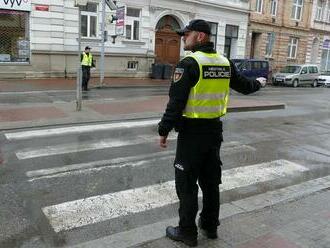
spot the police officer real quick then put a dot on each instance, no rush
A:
(86, 63)
(198, 98)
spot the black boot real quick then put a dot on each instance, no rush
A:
(176, 234)
(210, 233)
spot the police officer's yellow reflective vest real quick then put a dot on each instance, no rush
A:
(209, 97)
(87, 60)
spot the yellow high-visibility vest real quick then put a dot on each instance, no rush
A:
(209, 97)
(87, 60)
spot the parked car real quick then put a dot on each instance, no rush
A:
(253, 68)
(324, 79)
(296, 75)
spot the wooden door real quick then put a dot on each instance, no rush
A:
(167, 48)
(167, 42)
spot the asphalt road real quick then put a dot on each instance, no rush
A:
(64, 186)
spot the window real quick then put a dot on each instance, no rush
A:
(318, 14)
(264, 65)
(292, 48)
(132, 65)
(256, 65)
(133, 24)
(231, 35)
(297, 9)
(214, 33)
(259, 6)
(304, 70)
(89, 20)
(245, 66)
(270, 44)
(325, 59)
(14, 38)
(312, 69)
(273, 7)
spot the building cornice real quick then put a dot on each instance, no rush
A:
(110, 54)
(219, 5)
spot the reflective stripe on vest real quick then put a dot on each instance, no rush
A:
(87, 60)
(209, 97)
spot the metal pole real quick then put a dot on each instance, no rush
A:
(79, 72)
(102, 45)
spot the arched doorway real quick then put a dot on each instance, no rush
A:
(167, 48)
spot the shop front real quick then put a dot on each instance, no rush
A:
(14, 29)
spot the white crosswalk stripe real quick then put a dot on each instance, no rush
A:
(120, 162)
(85, 146)
(68, 170)
(78, 213)
(79, 129)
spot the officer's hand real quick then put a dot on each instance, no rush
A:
(262, 81)
(163, 141)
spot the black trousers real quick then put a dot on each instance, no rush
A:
(86, 74)
(198, 160)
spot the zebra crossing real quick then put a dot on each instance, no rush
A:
(123, 192)
(95, 209)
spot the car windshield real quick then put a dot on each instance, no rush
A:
(326, 73)
(290, 69)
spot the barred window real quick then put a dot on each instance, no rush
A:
(14, 38)
(132, 65)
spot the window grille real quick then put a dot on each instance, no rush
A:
(14, 38)
(132, 65)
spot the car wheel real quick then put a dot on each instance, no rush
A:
(314, 83)
(295, 83)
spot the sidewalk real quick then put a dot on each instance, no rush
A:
(303, 223)
(96, 110)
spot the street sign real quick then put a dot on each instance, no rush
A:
(120, 23)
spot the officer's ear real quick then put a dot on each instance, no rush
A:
(203, 37)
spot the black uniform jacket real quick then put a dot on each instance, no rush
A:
(179, 91)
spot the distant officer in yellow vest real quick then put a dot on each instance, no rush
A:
(198, 98)
(86, 63)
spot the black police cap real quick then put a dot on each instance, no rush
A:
(196, 25)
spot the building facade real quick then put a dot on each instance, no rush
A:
(279, 31)
(41, 35)
(318, 48)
